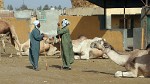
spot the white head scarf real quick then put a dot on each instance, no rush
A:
(36, 22)
(65, 22)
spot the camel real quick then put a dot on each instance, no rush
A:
(7, 30)
(82, 50)
(136, 62)
(45, 46)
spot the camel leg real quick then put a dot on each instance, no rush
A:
(16, 40)
(3, 43)
(26, 53)
(125, 74)
(76, 57)
(85, 55)
(133, 73)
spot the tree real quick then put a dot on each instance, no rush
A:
(46, 7)
(9, 7)
(24, 7)
(59, 7)
(55, 7)
(39, 8)
(51, 7)
(65, 8)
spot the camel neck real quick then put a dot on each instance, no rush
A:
(117, 58)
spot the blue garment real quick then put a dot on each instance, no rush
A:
(35, 38)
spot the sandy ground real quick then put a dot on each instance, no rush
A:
(15, 70)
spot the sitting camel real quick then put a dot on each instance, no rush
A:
(7, 30)
(137, 62)
(82, 50)
(45, 46)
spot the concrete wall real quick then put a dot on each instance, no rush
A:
(85, 11)
(50, 24)
(89, 26)
(115, 21)
(119, 11)
(23, 14)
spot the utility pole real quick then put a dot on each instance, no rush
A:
(146, 2)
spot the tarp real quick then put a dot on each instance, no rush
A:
(120, 3)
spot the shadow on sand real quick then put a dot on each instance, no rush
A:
(93, 71)
(56, 66)
(29, 67)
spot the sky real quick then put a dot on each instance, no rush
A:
(36, 3)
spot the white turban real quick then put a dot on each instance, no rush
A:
(36, 22)
(65, 22)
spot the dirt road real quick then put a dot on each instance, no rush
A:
(17, 70)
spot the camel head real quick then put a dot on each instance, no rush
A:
(101, 45)
(98, 44)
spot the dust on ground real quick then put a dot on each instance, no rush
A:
(16, 70)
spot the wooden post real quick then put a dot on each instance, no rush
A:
(45, 56)
(142, 39)
(60, 46)
(0, 50)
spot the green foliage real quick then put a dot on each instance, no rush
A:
(10, 7)
(46, 7)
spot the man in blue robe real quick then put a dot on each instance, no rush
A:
(34, 51)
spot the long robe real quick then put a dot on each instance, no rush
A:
(35, 38)
(66, 47)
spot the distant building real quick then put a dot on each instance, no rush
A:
(1, 4)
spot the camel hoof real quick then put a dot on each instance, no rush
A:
(141, 76)
(105, 56)
(118, 74)
(11, 55)
(18, 53)
(20, 56)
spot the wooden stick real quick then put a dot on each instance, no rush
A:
(45, 56)
(142, 39)
(0, 50)
(60, 45)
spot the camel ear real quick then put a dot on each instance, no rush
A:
(104, 39)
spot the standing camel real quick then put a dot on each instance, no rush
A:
(136, 63)
(8, 30)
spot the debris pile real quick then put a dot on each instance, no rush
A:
(81, 3)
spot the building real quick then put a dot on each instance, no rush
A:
(1, 4)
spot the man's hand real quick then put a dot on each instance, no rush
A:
(58, 24)
(45, 38)
(45, 35)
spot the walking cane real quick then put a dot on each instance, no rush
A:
(45, 56)
(60, 45)
(60, 51)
